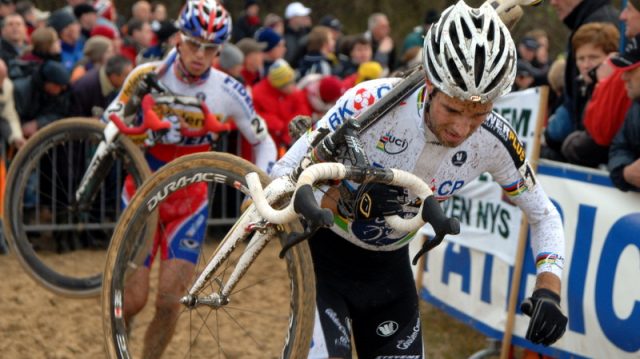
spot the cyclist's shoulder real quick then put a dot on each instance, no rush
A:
(498, 131)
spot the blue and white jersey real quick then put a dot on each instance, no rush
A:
(401, 139)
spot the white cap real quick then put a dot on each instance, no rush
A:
(296, 9)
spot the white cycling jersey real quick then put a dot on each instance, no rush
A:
(225, 97)
(402, 140)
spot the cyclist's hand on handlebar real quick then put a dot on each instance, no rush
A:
(376, 200)
(547, 323)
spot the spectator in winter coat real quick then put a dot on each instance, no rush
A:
(253, 63)
(71, 42)
(14, 38)
(42, 97)
(297, 26)
(92, 93)
(10, 130)
(277, 99)
(320, 46)
(624, 155)
(275, 49)
(249, 22)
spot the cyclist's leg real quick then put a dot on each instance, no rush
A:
(182, 226)
(332, 326)
(389, 326)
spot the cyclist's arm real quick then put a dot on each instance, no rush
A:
(253, 128)
(129, 87)
(547, 235)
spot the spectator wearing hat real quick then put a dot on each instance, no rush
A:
(230, 61)
(275, 22)
(92, 93)
(297, 25)
(32, 16)
(167, 38)
(320, 47)
(87, 18)
(630, 16)
(42, 97)
(248, 22)
(10, 130)
(275, 49)
(379, 32)
(13, 41)
(334, 24)
(277, 99)
(139, 37)
(107, 14)
(68, 30)
(369, 70)
(321, 92)
(416, 37)
(541, 60)
(110, 33)
(253, 64)
(624, 154)
(524, 75)
(97, 50)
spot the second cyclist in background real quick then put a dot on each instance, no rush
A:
(204, 28)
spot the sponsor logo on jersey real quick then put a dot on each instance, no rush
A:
(345, 338)
(391, 144)
(499, 127)
(459, 158)
(363, 99)
(386, 329)
(239, 91)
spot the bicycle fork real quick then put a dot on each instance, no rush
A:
(100, 164)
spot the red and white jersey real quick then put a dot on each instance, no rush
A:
(402, 140)
(226, 98)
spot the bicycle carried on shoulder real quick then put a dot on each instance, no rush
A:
(63, 191)
(242, 302)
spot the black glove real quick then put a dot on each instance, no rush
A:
(547, 323)
(376, 200)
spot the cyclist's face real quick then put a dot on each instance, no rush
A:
(197, 56)
(453, 120)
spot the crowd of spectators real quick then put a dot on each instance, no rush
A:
(71, 62)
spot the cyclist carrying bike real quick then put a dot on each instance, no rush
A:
(204, 28)
(446, 133)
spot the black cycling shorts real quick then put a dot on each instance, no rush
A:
(370, 294)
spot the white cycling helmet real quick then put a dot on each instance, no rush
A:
(469, 54)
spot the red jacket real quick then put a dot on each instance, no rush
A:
(278, 109)
(605, 111)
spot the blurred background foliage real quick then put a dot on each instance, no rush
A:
(404, 15)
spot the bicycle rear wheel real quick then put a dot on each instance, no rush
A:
(270, 313)
(60, 244)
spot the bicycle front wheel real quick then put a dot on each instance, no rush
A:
(270, 312)
(59, 242)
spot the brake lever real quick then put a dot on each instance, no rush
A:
(296, 237)
(427, 246)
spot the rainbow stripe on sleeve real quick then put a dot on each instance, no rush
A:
(515, 188)
(549, 259)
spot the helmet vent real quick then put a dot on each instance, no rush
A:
(433, 73)
(455, 74)
(479, 62)
(490, 31)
